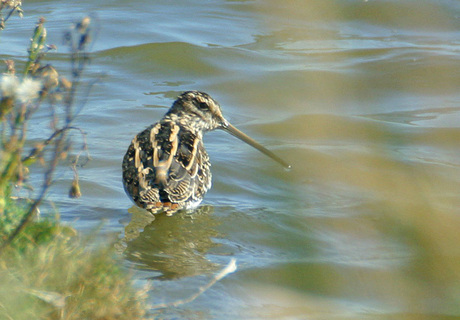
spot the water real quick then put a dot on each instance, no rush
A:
(361, 97)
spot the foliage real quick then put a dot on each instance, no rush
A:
(49, 275)
(46, 270)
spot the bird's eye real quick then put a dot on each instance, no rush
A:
(203, 106)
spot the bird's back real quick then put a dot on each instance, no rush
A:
(166, 167)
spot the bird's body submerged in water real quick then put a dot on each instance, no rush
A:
(166, 167)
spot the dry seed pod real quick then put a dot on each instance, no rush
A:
(74, 191)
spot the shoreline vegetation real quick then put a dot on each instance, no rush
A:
(47, 270)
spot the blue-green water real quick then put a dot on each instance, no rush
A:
(361, 97)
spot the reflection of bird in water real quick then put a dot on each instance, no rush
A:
(174, 246)
(166, 166)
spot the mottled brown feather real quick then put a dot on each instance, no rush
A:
(167, 164)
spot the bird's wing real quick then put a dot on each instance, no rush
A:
(172, 164)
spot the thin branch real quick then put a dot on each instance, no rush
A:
(85, 96)
(46, 184)
(231, 267)
(59, 137)
(37, 151)
(11, 12)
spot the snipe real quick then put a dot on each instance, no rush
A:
(166, 167)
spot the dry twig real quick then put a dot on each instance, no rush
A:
(231, 267)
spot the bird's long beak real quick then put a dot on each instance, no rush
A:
(242, 136)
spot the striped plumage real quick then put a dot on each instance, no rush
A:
(166, 167)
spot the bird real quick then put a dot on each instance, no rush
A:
(166, 167)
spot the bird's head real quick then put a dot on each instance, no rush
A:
(197, 110)
(200, 110)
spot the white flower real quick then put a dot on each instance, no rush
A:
(28, 89)
(8, 85)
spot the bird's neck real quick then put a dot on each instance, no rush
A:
(186, 120)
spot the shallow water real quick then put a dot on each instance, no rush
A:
(361, 97)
